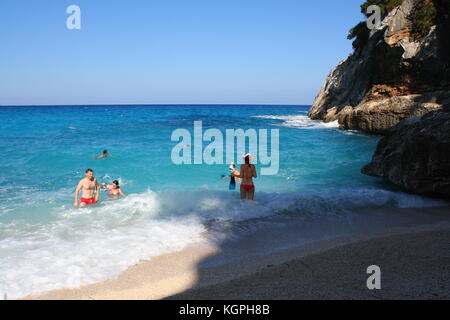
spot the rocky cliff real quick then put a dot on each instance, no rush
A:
(415, 154)
(396, 73)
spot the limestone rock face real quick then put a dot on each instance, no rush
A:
(390, 78)
(380, 115)
(415, 154)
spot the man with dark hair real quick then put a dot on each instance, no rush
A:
(90, 190)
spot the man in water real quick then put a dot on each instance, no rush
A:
(105, 154)
(89, 190)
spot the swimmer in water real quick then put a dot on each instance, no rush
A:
(114, 189)
(89, 190)
(105, 154)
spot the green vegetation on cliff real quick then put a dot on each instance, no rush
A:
(423, 17)
(385, 5)
(360, 32)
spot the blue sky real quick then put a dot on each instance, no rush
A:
(171, 51)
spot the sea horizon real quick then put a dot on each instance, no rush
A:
(157, 104)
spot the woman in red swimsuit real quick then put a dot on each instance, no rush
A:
(247, 173)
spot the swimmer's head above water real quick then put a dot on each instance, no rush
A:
(104, 154)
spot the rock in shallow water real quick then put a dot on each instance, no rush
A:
(415, 154)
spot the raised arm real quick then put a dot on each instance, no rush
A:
(77, 190)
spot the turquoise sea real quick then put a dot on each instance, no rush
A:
(46, 243)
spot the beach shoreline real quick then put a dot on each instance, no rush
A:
(279, 275)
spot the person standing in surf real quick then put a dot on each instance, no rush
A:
(247, 173)
(90, 190)
(233, 176)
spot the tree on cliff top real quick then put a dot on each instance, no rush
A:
(423, 17)
(360, 32)
(385, 5)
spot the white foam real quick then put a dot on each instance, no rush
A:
(301, 121)
(83, 246)
(89, 245)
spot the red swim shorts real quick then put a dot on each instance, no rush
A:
(88, 201)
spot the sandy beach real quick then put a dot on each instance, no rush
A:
(414, 266)
(414, 261)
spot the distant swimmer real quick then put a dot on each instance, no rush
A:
(114, 189)
(105, 154)
(247, 173)
(89, 190)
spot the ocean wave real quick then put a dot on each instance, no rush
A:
(83, 246)
(301, 121)
(89, 245)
